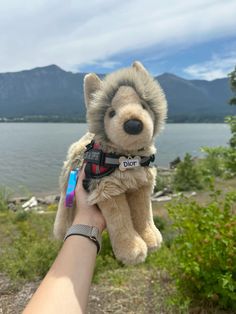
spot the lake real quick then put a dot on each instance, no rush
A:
(31, 154)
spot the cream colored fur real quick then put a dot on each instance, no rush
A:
(123, 197)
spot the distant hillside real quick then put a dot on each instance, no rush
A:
(41, 91)
(50, 91)
(196, 100)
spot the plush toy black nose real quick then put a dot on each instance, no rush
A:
(133, 126)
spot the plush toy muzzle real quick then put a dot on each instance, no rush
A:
(125, 111)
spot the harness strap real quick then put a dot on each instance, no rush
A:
(98, 157)
(100, 164)
(115, 161)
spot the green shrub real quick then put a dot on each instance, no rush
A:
(219, 161)
(21, 215)
(30, 259)
(27, 245)
(5, 193)
(160, 183)
(187, 176)
(204, 251)
(230, 162)
(213, 163)
(159, 222)
(231, 120)
(163, 180)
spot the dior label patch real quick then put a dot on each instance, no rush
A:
(129, 163)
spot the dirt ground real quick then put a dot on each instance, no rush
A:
(138, 293)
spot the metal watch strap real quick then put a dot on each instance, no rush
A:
(86, 231)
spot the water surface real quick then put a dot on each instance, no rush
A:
(31, 154)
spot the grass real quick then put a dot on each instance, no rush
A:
(5, 193)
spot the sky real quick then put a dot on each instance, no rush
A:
(194, 39)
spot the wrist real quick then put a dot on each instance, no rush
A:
(90, 232)
(90, 221)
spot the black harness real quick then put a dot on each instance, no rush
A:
(100, 164)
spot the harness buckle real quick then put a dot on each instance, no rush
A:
(152, 158)
(89, 146)
(95, 156)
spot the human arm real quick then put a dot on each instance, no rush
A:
(65, 288)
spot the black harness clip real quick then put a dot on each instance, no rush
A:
(95, 156)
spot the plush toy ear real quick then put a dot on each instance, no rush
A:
(139, 67)
(91, 84)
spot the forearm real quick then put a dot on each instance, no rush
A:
(65, 288)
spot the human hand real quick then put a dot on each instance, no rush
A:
(86, 214)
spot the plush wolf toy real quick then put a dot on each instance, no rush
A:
(125, 111)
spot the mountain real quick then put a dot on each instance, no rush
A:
(196, 100)
(50, 91)
(42, 91)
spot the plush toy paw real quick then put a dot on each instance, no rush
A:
(131, 251)
(152, 237)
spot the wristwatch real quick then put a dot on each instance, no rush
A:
(89, 232)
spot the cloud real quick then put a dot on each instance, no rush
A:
(217, 67)
(108, 64)
(76, 32)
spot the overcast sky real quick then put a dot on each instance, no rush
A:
(190, 38)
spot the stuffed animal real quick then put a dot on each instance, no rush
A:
(125, 111)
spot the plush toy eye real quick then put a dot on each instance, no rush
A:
(112, 113)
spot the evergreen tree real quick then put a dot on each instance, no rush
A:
(232, 77)
(232, 119)
(187, 176)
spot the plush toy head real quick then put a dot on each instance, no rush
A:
(126, 109)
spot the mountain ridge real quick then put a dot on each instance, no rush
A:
(50, 91)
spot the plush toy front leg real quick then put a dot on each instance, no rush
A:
(127, 245)
(141, 212)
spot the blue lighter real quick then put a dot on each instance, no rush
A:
(70, 192)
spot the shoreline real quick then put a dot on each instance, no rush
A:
(39, 195)
(17, 196)
(56, 192)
